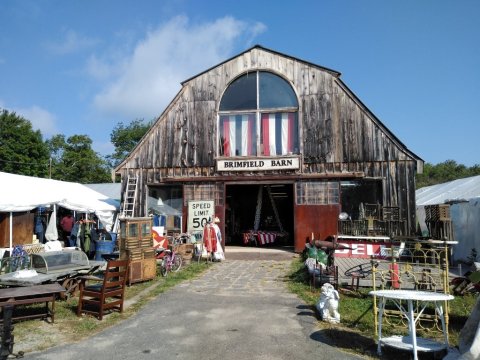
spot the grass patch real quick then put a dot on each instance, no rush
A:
(356, 331)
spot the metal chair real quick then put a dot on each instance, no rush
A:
(324, 275)
(108, 293)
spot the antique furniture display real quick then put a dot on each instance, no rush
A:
(136, 244)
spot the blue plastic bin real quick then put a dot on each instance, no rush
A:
(105, 246)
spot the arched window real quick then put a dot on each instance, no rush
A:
(258, 103)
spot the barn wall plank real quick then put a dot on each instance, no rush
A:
(337, 132)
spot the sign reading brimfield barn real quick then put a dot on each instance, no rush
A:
(258, 164)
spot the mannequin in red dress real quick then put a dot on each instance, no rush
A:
(210, 237)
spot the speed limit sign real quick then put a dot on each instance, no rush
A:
(199, 214)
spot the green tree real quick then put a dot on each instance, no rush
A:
(22, 150)
(125, 138)
(74, 160)
(443, 172)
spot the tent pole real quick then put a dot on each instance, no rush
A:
(11, 229)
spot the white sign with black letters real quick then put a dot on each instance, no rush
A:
(259, 164)
(199, 213)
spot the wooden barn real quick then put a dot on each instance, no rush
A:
(278, 148)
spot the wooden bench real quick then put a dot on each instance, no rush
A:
(32, 295)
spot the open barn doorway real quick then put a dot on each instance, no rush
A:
(259, 215)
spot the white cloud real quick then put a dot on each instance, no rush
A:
(103, 147)
(98, 69)
(145, 81)
(41, 120)
(71, 43)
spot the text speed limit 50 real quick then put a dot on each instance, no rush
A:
(199, 213)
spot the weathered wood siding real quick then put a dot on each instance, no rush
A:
(335, 126)
(337, 132)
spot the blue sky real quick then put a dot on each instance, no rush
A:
(82, 66)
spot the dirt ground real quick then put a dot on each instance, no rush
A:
(40, 336)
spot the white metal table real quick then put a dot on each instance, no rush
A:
(411, 342)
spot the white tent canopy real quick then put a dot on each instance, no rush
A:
(464, 197)
(23, 193)
(452, 191)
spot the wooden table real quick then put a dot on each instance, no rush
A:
(32, 295)
(411, 342)
(259, 237)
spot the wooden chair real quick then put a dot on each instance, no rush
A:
(108, 293)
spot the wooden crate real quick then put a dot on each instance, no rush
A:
(372, 211)
(34, 248)
(391, 213)
(146, 243)
(131, 244)
(437, 212)
(148, 253)
(135, 254)
(184, 249)
(444, 212)
(353, 227)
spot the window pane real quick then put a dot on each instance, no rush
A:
(275, 92)
(317, 193)
(280, 134)
(241, 94)
(145, 229)
(238, 135)
(354, 193)
(163, 197)
(204, 192)
(133, 230)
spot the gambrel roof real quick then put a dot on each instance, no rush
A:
(321, 90)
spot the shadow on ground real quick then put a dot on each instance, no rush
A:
(347, 340)
(353, 342)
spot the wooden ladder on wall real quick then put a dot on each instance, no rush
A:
(129, 198)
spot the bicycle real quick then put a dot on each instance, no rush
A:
(171, 261)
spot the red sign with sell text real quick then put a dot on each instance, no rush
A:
(362, 249)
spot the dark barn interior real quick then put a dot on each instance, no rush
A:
(241, 207)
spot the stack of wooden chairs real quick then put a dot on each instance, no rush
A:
(438, 221)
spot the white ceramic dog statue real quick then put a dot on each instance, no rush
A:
(327, 305)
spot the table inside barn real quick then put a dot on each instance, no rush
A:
(259, 238)
(29, 295)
